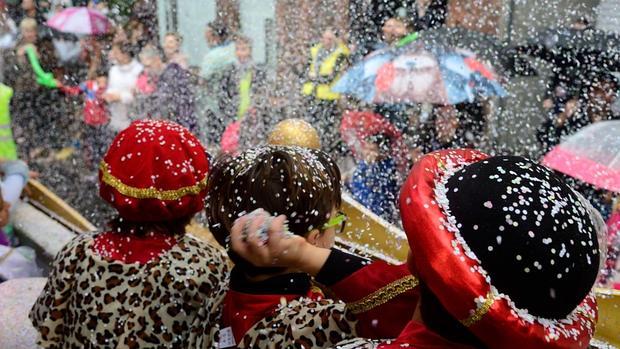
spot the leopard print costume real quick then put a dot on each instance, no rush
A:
(303, 323)
(170, 302)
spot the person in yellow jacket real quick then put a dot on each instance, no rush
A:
(8, 150)
(328, 59)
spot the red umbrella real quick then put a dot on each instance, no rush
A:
(356, 126)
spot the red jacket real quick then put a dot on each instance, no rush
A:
(95, 112)
(375, 290)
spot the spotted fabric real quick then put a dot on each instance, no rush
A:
(170, 302)
(303, 323)
(357, 343)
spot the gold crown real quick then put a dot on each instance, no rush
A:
(291, 132)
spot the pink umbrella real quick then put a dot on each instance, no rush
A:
(80, 20)
(591, 155)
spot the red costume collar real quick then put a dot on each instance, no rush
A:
(127, 248)
(242, 310)
(444, 262)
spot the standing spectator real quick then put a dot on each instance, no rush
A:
(221, 54)
(95, 116)
(92, 54)
(8, 36)
(121, 85)
(593, 104)
(165, 91)
(8, 149)
(172, 50)
(29, 9)
(244, 82)
(429, 14)
(393, 29)
(374, 181)
(216, 62)
(327, 62)
(35, 108)
(136, 35)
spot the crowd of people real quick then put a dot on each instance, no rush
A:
(145, 282)
(166, 140)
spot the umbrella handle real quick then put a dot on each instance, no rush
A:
(43, 78)
(408, 39)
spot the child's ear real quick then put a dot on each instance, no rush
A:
(313, 237)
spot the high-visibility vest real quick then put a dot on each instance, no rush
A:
(326, 68)
(245, 94)
(8, 150)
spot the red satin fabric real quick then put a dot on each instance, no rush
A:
(449, 276)
(132, 249)
(373, 323)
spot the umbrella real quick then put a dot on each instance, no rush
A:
(576, 40)
(581, 48)
(356, 126)
(420, 73)
(80, 20)
(591, 155)
(484, 46)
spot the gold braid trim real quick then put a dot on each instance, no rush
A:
(480, 310)
(384, 294)
(149, 193)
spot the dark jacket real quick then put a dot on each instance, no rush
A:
(434, 17)
(172, 100)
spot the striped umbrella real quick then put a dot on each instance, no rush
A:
(80, 20)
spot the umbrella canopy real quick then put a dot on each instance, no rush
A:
(591, 155)
(484, 46)
(585, 49)
(420, 73)
(80, 20)
(577, 40)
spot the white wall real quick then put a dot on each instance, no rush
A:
(252, 15)
(193, 15)
(608, 16)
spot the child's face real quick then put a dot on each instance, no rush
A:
(29, 35)
(325, 238)
(370, 151)
(171, 45)
(102, 80)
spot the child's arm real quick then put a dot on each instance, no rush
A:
(70, 90)
(369, 289)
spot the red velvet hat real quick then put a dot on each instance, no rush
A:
(488, 236)
(154, 171)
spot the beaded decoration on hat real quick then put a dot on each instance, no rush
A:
(154, 171)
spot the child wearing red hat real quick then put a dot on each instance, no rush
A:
(506, 253)
(143, 282)
(303, 184)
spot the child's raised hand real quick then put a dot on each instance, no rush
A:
(265, 241)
